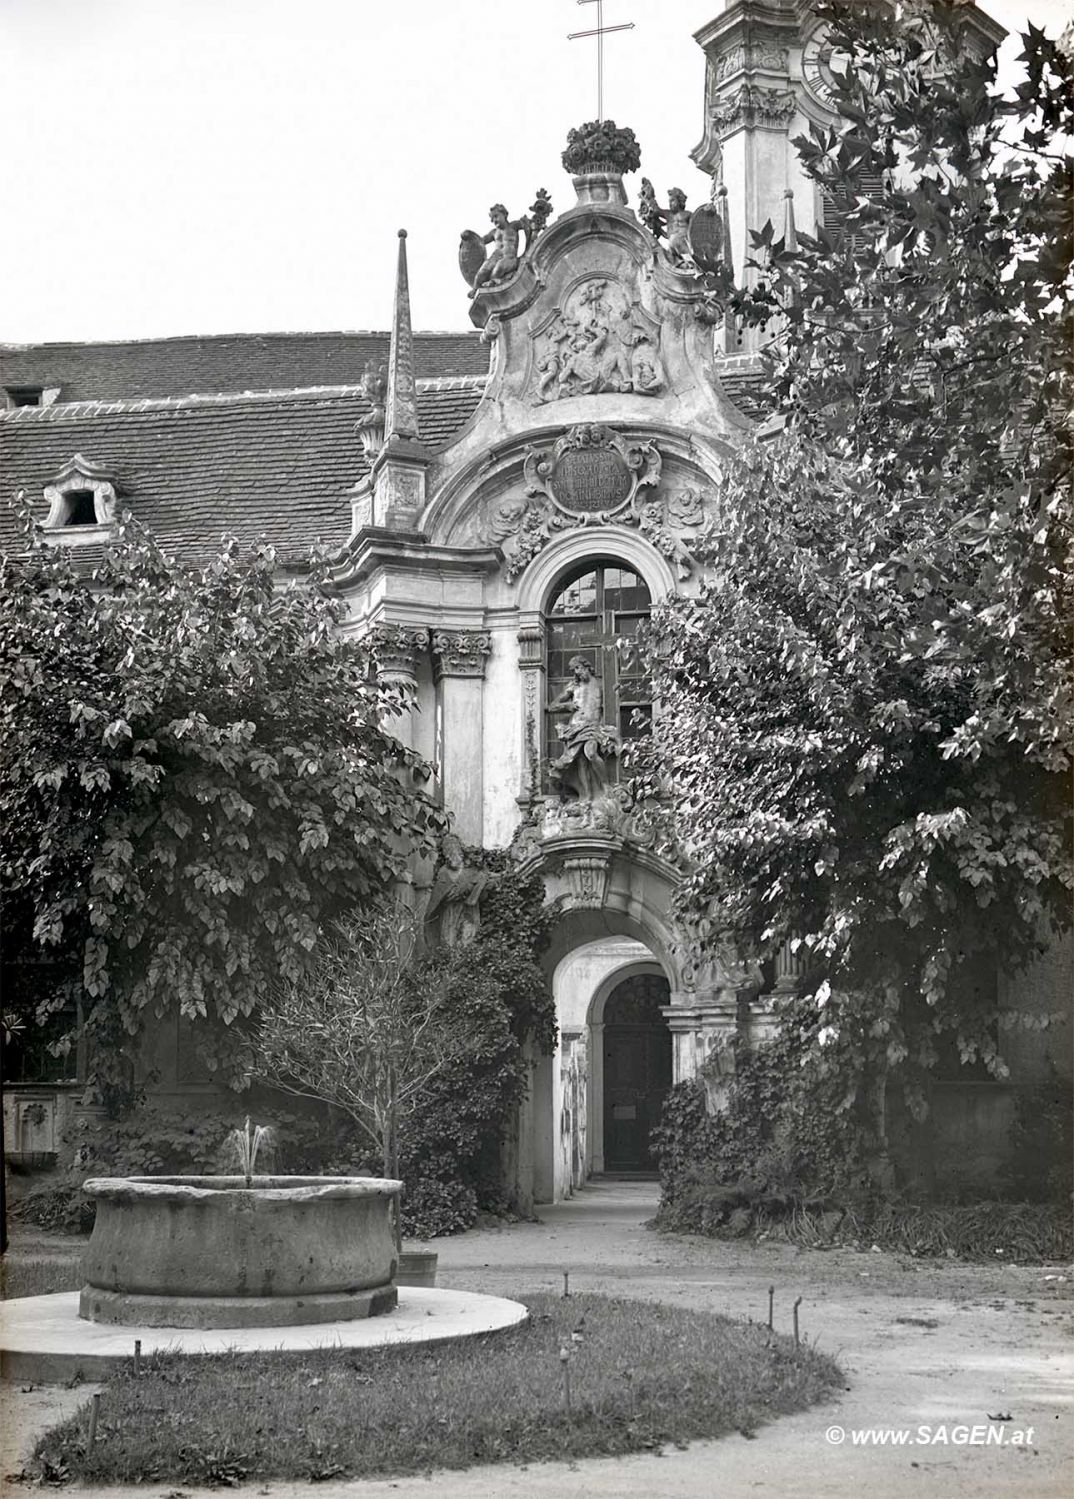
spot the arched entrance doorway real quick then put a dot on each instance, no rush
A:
(612, 980)
(637, 1070)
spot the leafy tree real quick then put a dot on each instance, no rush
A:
(866, 711)
(366, 1029)
(425, 1049)
(195, 780)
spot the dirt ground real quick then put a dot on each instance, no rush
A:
(938, 1351)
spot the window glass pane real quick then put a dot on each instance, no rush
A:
(578, 597)
(598, 616)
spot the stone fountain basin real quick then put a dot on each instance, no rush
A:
(210, 1251)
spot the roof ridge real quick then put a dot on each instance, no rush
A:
(13, 347)
(97, 407)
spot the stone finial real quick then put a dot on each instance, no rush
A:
(725, 218)
(790, 233)
(370, 427)
(598, 154)
(399, 467)
(401, 410)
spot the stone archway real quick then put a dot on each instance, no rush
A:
(608, 889)
(569, 1086)
(636, 1055)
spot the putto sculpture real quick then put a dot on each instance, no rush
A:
(694, 237)
(481, 270)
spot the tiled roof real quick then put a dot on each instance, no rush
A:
(231, 362)
(273, 466)
(749, 392)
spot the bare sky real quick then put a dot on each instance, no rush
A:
(211, 166)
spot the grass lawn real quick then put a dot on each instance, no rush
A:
(29, 1274)
(641, 1376)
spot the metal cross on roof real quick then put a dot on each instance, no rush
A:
(600, 31)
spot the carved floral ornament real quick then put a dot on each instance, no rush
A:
(398, 647)
(461, 653)
(767, 54)
(593, 476)
(769, 108)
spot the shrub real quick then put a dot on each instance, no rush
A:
(152, 1141)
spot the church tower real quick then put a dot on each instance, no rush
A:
(768, 79)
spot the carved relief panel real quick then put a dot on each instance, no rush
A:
(600, 340)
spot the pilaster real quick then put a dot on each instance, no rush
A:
(532, 666)
(459, 659)
(398, 648)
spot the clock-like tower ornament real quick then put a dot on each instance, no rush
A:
(818, 60)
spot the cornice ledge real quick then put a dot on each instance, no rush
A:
(375, 548)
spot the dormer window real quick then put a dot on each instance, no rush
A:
(25, 395)
(81, 509)
(81, 501)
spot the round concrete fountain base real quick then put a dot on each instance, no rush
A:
(125, 1309)
(44, 1341)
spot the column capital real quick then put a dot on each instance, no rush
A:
(398, 647)
(461, 653)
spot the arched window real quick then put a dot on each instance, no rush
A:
(596, 613)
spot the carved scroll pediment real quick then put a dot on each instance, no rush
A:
(594, 476)
(592, 473)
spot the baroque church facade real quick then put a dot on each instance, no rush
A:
(503, 509)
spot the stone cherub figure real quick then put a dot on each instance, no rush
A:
(672, 221)
(589, 745)
(502, 262)
(456, 894)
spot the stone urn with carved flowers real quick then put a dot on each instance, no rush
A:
(598, 154)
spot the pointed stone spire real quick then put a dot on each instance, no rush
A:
(790, 234)
(399, 468)
(790, 239)
(402, 409)
(730, 321)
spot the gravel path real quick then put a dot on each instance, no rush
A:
(942, 1347)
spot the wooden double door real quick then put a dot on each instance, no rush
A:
(637, 1070)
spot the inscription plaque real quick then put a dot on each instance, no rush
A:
(590, 479)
